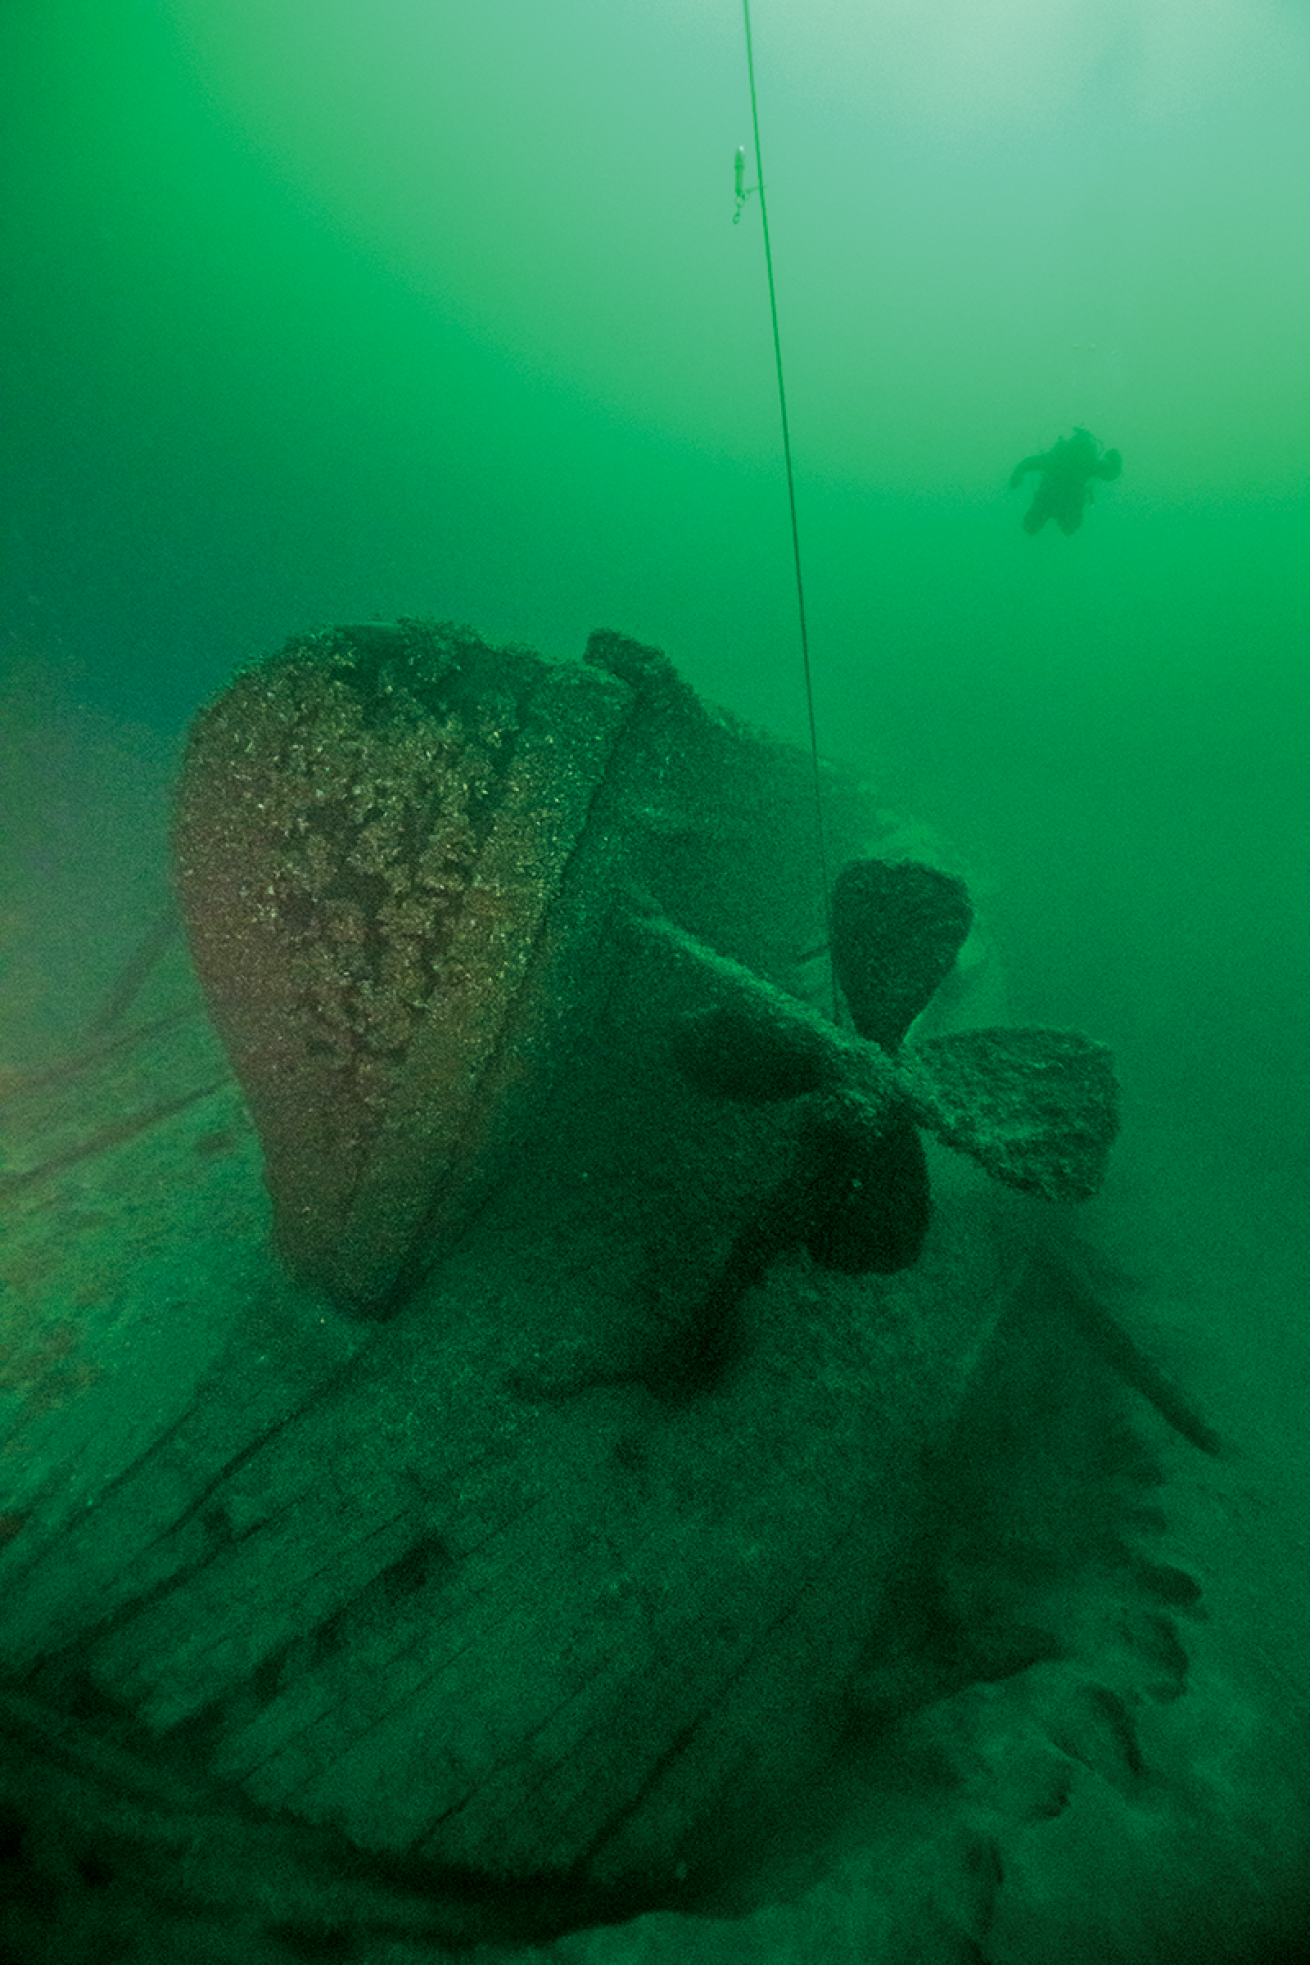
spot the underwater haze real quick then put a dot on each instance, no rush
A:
(315, 311)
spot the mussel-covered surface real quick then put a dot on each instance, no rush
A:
(485, 1459)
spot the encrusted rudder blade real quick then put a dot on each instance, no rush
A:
(372, 830)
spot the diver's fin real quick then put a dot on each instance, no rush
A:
(897, 927)
(1037, 1108)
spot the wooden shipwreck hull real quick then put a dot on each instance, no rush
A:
(476, 1452)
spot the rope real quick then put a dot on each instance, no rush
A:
(820, 835)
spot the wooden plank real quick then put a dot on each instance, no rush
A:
(488, 1596)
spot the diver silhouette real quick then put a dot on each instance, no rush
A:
(1064, 487)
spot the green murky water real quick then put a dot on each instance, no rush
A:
(316, 311)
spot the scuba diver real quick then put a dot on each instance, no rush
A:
(1065, 484)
